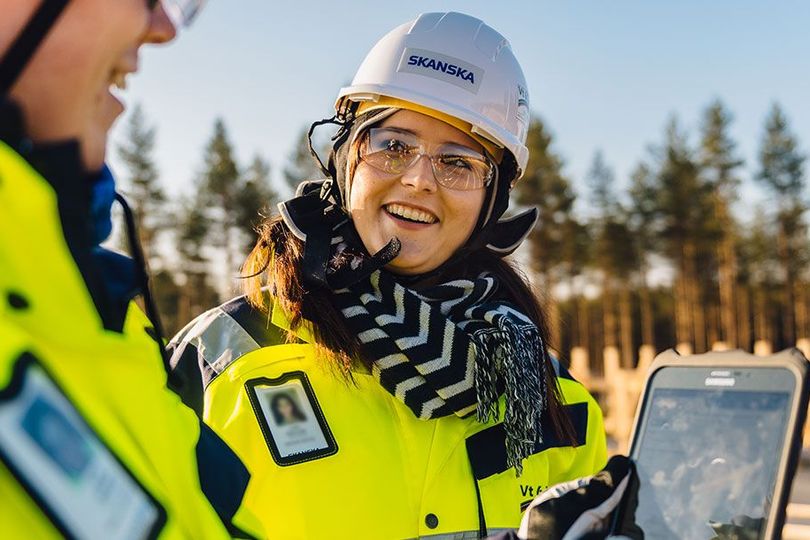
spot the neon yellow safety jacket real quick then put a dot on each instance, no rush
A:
(337, 459)
(92, 442)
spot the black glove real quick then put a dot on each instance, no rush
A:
(584, 508)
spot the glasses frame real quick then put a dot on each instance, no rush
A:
(363, 153)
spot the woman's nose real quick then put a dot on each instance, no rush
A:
(419, 176)
(161, 29)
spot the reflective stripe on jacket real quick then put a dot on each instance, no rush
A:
(354, 461)
(92, 442)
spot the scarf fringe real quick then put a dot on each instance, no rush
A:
(514, 355)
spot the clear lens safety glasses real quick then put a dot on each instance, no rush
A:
(455, 166)
(181, 12)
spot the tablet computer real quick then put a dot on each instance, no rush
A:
(716, 442)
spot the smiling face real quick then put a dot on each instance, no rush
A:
(431, 221)
(64, 90)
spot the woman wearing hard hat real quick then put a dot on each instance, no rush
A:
(379, 302)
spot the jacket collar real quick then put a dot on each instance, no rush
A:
(60, 165)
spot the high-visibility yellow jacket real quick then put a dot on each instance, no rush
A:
(92, 442)
(338, 459)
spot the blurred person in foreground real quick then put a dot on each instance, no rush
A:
(92, 442)
(381, 299)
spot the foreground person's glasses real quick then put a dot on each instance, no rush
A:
(181, 12)
(394, 151)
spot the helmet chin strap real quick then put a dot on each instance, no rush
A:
(25, 45)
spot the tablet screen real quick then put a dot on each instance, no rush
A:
(707, 458)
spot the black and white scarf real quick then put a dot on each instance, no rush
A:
(453, 349)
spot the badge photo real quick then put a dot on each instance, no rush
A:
(290, 418)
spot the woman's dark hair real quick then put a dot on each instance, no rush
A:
(275, 404)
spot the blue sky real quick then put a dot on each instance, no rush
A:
(602, 74)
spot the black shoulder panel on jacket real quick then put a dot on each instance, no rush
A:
(223, 477)
(212, 342)
(187, 376)
(487, 449)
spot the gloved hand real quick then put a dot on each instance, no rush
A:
(583, 508)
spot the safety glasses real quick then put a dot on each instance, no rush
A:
(394, 151)
(181, 12)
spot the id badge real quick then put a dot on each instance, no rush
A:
(291, 419)
(64, 465)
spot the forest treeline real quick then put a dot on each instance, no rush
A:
(669, 256)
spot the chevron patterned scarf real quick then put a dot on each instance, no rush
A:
(453, 349)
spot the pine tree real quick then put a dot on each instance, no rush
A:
(615, 257)
(544, 186)
(782, 172)
(758, 267)
(300, 163)
(718, 166)
(141, 185)
(782, 164)
(576, 256)
(600, 181)
(168, 297)
(642, 219)
(196, 291)
(147, 199)
(684, 210)
(219, 190)
(255, 199)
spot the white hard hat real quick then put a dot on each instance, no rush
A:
(457, 65)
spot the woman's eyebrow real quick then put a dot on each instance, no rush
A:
(401, 130)
(450, 145)
(417, 134)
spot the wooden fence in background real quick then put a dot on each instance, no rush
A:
(618, 389)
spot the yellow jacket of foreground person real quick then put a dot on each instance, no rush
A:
(92, 442)
(336, 459)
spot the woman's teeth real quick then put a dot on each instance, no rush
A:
(119, 80)
(411, 214)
